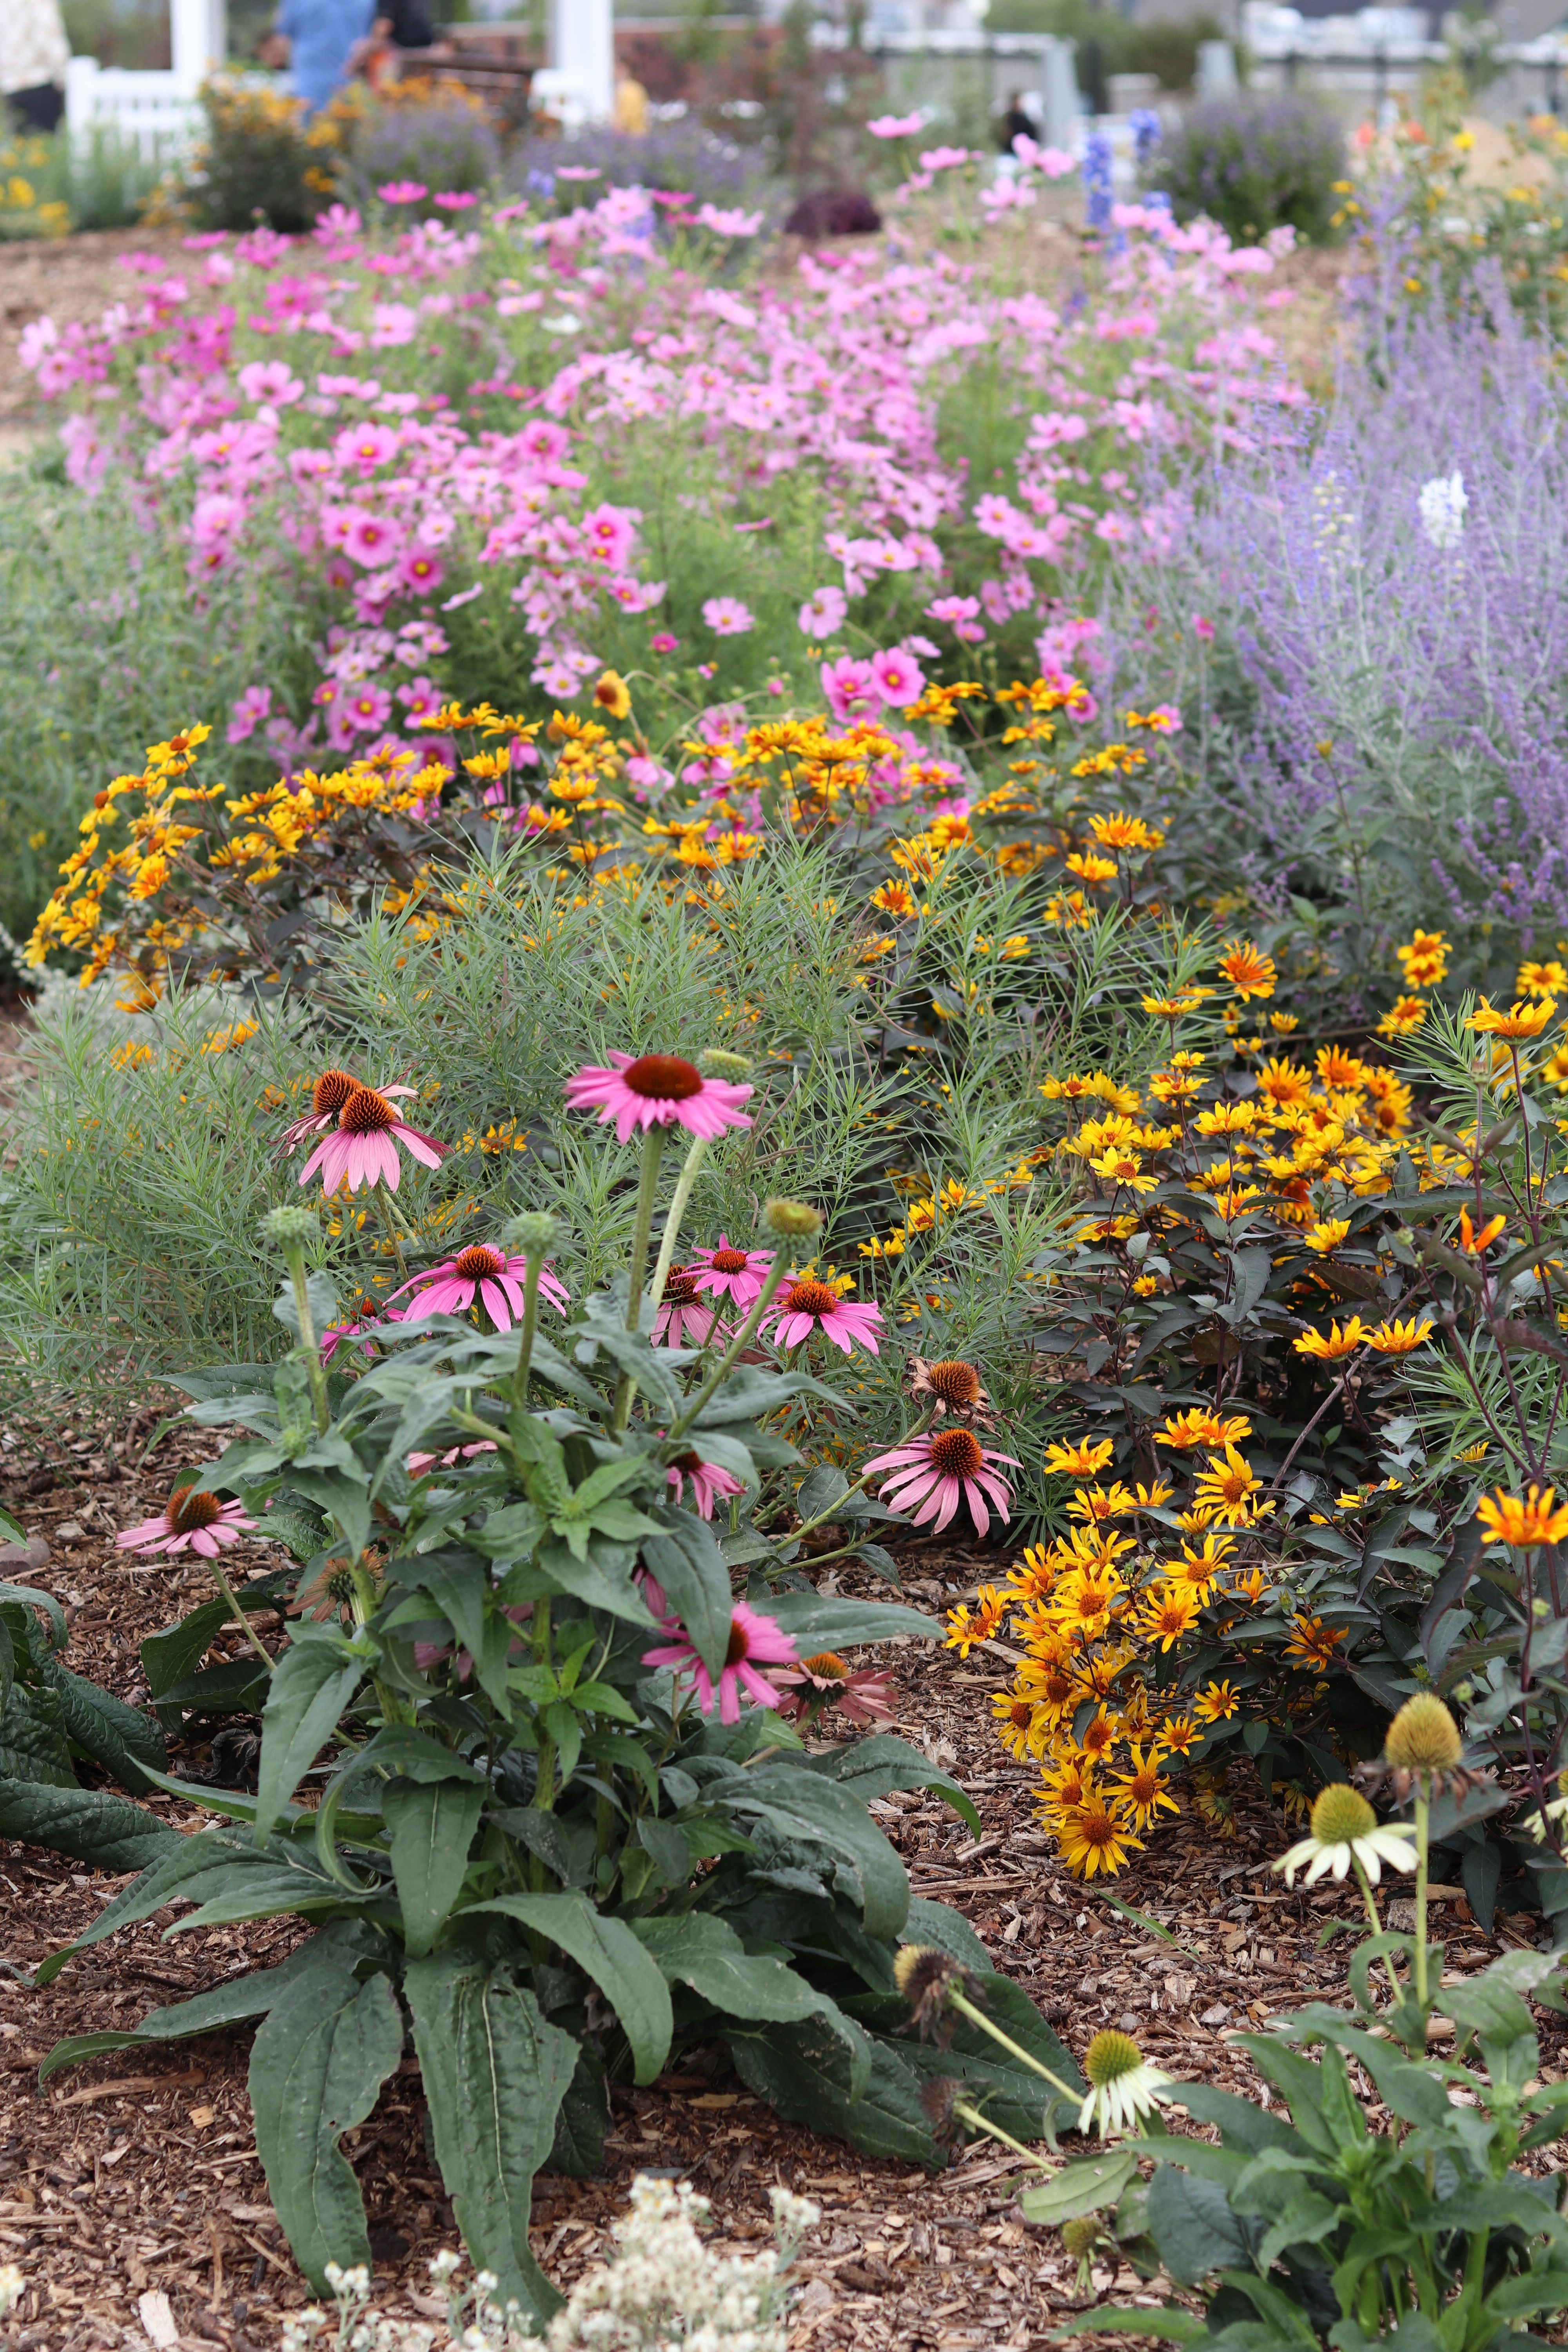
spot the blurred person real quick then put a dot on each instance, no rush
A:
(630, 116)
(1016, 124)
(315, 39)
(34, 51)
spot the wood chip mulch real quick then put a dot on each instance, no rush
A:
(135, 2175)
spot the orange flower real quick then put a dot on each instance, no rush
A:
(1475, 1243)
(1424, 960)
(1523, 1523)
(1197, 1427)
(1520, 1021)
(1312, 1644)
(1216, 1703)
(1328, 1346)
(1249, 972)
(1398, 1339)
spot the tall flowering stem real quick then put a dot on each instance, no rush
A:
(291, 1228)
(684, 1186)
(533, 1233)
(648, 1185)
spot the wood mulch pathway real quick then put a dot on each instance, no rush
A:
(136, 2174)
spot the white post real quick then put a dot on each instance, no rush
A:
(197, 40)
(81, 94)
(583, 46)
(1058, 84)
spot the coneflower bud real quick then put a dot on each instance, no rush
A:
(1082, 2235)
(291, 1227)
(792, 1220)
(531, 1233)
(716, 1062)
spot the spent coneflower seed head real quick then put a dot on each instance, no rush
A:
(926, 1977)
(1423, 1736)
(792, 1220)
(1080, 2235)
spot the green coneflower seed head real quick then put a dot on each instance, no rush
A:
(1109, 2056)
(1342, 1815)
(715, 1062)
(792, 1220)
(291, 1227)
(532, 1233)
(1082, 2235)
(1423, 1736)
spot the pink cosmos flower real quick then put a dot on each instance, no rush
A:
(657, 1090)
(681, 1319)
(898, 677)
(709, 1485)
(478, 1271)
(189, 1521)
(1202, 628)
(754, 1640)
(941, 1470)
(457, 200)
(851, 690)
(811, 1306)
(662, 642)
(896, 126)
(727, 616)
(730, 1273)
(862, 1695)
(362, 1149)
(822, 612)
(247, 715)
(403, 192)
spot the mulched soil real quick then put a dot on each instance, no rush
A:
(135, 2173)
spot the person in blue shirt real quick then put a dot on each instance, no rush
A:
(320, 38)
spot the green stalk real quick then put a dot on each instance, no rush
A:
(648, 1185)
(1423, 1823)
(251, 1635)
(683, 1184)
(1395, 1986)
(977, 2122)
(535, 1267)
(384, 1205)
(742, 1338)
(966, 2008)
(315, 1370)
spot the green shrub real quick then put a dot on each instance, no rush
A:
(1255, 163)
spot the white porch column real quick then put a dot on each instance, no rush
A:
(582, 46)
(198, 41)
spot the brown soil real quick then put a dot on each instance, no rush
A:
(136, 2172)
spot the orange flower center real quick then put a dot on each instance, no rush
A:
(811, 1298)
(956, 1453)
(663, 1077)
(367, 1113)
(331, 1091)
(739, 1644)
(687, 1462)
(827, 1666)
(1096, 1827)
(679, 1287)
(189, 1510)
(954, 1382)
(477, 1261)
(730, 1261)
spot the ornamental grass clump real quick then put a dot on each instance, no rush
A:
(563, 1823)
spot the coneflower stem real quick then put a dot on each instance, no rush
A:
(384, 1205)
(977, 2122)
(251, 1635)
(742, 1338)
(315, 1370)
(966, 2008)
(1423, 1819)
(637, 1270)
(683, 1184)
(535, 1266)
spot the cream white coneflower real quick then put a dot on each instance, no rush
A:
(1344, 1830)
(1122, 2085)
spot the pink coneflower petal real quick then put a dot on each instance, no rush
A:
(495, 1305)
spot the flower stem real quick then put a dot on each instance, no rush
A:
(683, 1184)
(742, 1338)
(534, 1268)
(977, 2122)
(1395, 1986)
(310, 1344)
(251, 1635)
(976, 2016)
(648, 1185)
(384, 1205)
(1423, 1825)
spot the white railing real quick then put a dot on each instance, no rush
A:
(156, 111)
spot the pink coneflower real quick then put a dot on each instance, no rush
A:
(754, 1641)
(359, 1330)
(189, 1522)
(363, 1147)
(657, 1090)
(940, 1470)
(328, 1096)
(709, 1485)
(811, 1306)
(862, 1694)
(480, 1271)
(730, 1273)
(682, 1319)
(417, 1464)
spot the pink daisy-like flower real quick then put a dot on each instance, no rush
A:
(657, 1090)
(727, 616)
(709, 1485)
(754, 1641)
(899, 679)
(863, 1694)
(189, 1522)
(730, 1273)
(941, 1470)
(682, 1319)
(363, 1147)
(481, 1271)
(328, 1096)
(811, 1306)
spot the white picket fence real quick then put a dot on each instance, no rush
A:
(157, 111)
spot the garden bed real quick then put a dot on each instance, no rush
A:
(136, 2173)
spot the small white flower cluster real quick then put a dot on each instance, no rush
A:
(662, 2289)
(1443, 507)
